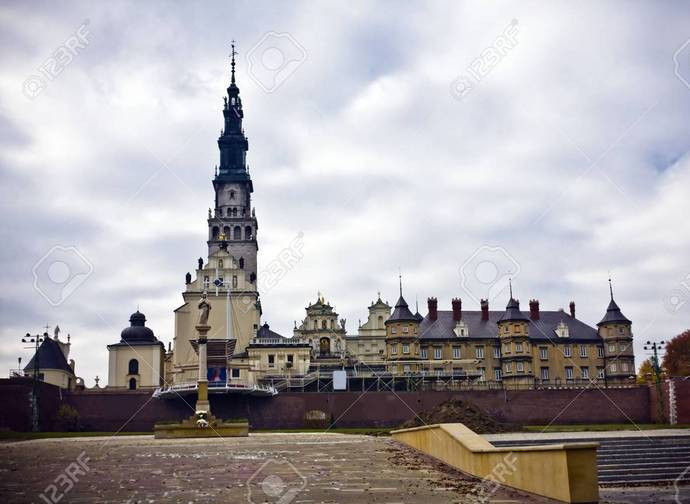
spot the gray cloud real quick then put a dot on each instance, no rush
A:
(363, 149)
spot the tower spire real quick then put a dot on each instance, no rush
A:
(232, 62)
(510, 283)
(611, 289)
(400, 279)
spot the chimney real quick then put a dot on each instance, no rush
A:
(432, 303)
(534, 309)
(572, 309)
(485, 309)
(457, 309)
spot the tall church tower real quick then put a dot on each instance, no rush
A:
(233, 221)
(229, 276)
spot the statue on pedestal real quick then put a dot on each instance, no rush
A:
(204, 309)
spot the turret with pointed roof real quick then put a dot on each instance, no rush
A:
(402, 311)
(613, 312)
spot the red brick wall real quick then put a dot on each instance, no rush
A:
(682, 388)
(137, 411)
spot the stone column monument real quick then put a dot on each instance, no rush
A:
(202, 403)
(202, 423)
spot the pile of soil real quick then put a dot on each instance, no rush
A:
(458, 411)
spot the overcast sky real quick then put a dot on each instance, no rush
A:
(460, 142)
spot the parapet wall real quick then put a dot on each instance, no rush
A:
(131, 411)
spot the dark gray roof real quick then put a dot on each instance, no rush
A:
(50, 356)
(543, 329)
(137, 332)
(513, 312)
(401, 313)
(265, 332)
(614, 315)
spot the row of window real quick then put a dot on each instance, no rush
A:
(479, 351)
(290, 360)
(236, 233)
(232, 212)
(406, 329)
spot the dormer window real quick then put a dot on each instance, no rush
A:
(461, 329)
(562, 330)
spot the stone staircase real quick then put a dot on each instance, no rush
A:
(633, 460)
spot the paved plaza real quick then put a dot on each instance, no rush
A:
(299, 468)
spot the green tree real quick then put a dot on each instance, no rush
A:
(677, 355)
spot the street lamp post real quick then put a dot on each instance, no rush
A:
(656, 348)
(36, 340)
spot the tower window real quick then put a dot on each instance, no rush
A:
(248, 233)
(237, 233)
(226, 232)
(214, 232)
(241, 262)
(133, 366)
(132, 384)
(232, 193)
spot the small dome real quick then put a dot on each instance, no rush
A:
(137, 330)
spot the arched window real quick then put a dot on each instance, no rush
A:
(133, 366)
(379, 325)
(220, 264)
(248, 233)
(241, 262)
(132, 384)
(232, 194)
(234, 212)
(237, 233)
(323, 324)
(226, 232)
(214, 232)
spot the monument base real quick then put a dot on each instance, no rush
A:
(201, 425)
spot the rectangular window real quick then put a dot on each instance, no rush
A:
(497, 374)
(393, 331)
(600, 352)
(509, 367)
(518, 347)
(406, 368)
(543, 353)
(544, 373)
(437, 353)
(405, 329)
(291, 358)
(600, 373)
(235, 373)
(271, 360)
(506, 348)
(479, 352)
(234, 281)
(566, 351)
(569, 373)
(624, 367)
(612, 348)
(497, 353)
(394, 349)
(520, 367)
(482, 373)
(613, 367)
(456, 353)
(583, 350)
(424, 353)
(585, 373)
(406, 348)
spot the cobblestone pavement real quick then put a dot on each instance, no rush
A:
(297, 468)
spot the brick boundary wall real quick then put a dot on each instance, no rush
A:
(131, 411)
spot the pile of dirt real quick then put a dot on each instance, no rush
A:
(458, 411)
